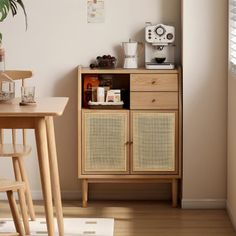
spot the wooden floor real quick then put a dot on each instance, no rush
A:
(148, 218)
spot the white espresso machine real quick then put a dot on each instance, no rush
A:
(159, 46)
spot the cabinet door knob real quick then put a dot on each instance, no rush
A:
(153, 100)
(153, 82)
(129, 143)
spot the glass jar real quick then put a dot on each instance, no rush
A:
(7, 88)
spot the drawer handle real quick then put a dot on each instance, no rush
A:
(153, 82)
(153, 100)
(129, 143)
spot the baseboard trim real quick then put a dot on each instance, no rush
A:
(231, 216)
(37, 195)
(203, 203)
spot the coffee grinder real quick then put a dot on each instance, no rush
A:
(159, 46)
(130, 54)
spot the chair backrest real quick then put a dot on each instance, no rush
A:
(16, 75)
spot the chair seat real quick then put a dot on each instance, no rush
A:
(14, 150)
(9, 185)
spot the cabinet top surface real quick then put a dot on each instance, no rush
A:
(85, 70)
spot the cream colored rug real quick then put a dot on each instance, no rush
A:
(73, 227)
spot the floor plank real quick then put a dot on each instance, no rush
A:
(147, 218)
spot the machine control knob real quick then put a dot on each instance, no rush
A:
(160, 30)
(170, 36)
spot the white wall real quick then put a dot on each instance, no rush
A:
(57, 41)
(231, 181)
(205, 102)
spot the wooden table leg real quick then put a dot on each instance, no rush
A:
(55, 174)
(41, 142)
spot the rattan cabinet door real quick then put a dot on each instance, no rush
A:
(154, 139)
(105, 142)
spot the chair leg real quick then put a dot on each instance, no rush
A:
(21, 194)
(15, 213)
(27, 190)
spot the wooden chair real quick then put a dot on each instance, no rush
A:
(9, 187)
(16, 151)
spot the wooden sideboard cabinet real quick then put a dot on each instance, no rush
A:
(141, 143)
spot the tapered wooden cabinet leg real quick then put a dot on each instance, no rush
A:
(84, 192)
(174, 192)
(15, 213)
(27, 188)
(55, 174)
(42, 149)
(21, 194)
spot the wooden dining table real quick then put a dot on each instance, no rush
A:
(40, 118)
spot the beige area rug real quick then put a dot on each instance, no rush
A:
(73, 227)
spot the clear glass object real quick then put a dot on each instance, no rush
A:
(7, 88)
(28, 94)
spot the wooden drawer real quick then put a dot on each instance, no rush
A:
(154, 82)
(153, 100)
